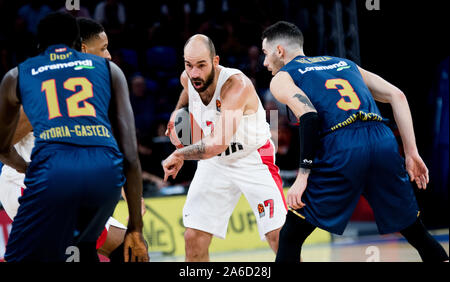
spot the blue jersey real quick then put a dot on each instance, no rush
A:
(360, 159)
(336, 89)
(66, 96)
(75, 176)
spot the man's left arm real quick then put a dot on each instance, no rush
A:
(385, 92)
(9, 118)
(122, 122)
(23, 127)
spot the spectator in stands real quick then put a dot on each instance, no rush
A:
(150, 163)
(252, 66)
(287, 151)
(112, 15)
(21, 41)
(32, 13)
(143, 104)
(119, 59)
(5, 58)
(6, 20)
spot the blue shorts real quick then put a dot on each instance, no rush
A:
(71, 192)
(362, 158)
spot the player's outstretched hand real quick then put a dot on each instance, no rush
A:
(172, 166)
(135, 248)
(417, 170)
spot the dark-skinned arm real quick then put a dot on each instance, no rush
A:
(23, 127)
(122, 121)
(9, 118)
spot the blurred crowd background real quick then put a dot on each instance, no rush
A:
(146, 38)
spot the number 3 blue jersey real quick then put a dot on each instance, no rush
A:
(356, 157)
(336, 89)
(66, 96)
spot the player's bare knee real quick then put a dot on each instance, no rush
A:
(196, 239)
(196, 245)
(189, 237)
(273, 236)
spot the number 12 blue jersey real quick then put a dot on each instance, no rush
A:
(66, 96)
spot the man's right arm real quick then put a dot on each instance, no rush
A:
(122, 121)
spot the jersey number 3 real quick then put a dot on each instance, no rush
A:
(346, 90)
(74, 109)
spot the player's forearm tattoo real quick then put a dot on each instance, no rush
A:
(193, 152)
(303, 99)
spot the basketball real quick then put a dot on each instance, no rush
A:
(180, 128)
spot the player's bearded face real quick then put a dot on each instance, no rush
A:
(201, 84)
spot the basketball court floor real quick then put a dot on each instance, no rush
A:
(371, 248)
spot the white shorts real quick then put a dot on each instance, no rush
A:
(114, 222)
(10, 191)
(217, 187)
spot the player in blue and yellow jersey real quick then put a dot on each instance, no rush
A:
(85, 146)
(346, 149)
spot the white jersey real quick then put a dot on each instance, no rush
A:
(11, 181)
(23, 148)
(252, 133)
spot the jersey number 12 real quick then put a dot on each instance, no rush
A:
(73, 102)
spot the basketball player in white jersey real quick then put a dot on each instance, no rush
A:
(110, 242)
(235, 152)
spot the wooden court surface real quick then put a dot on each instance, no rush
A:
(387, 248)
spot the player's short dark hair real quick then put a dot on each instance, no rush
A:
(208, 43)
(89, 28)
(57, 28)
(212, 49)
(283, 30)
